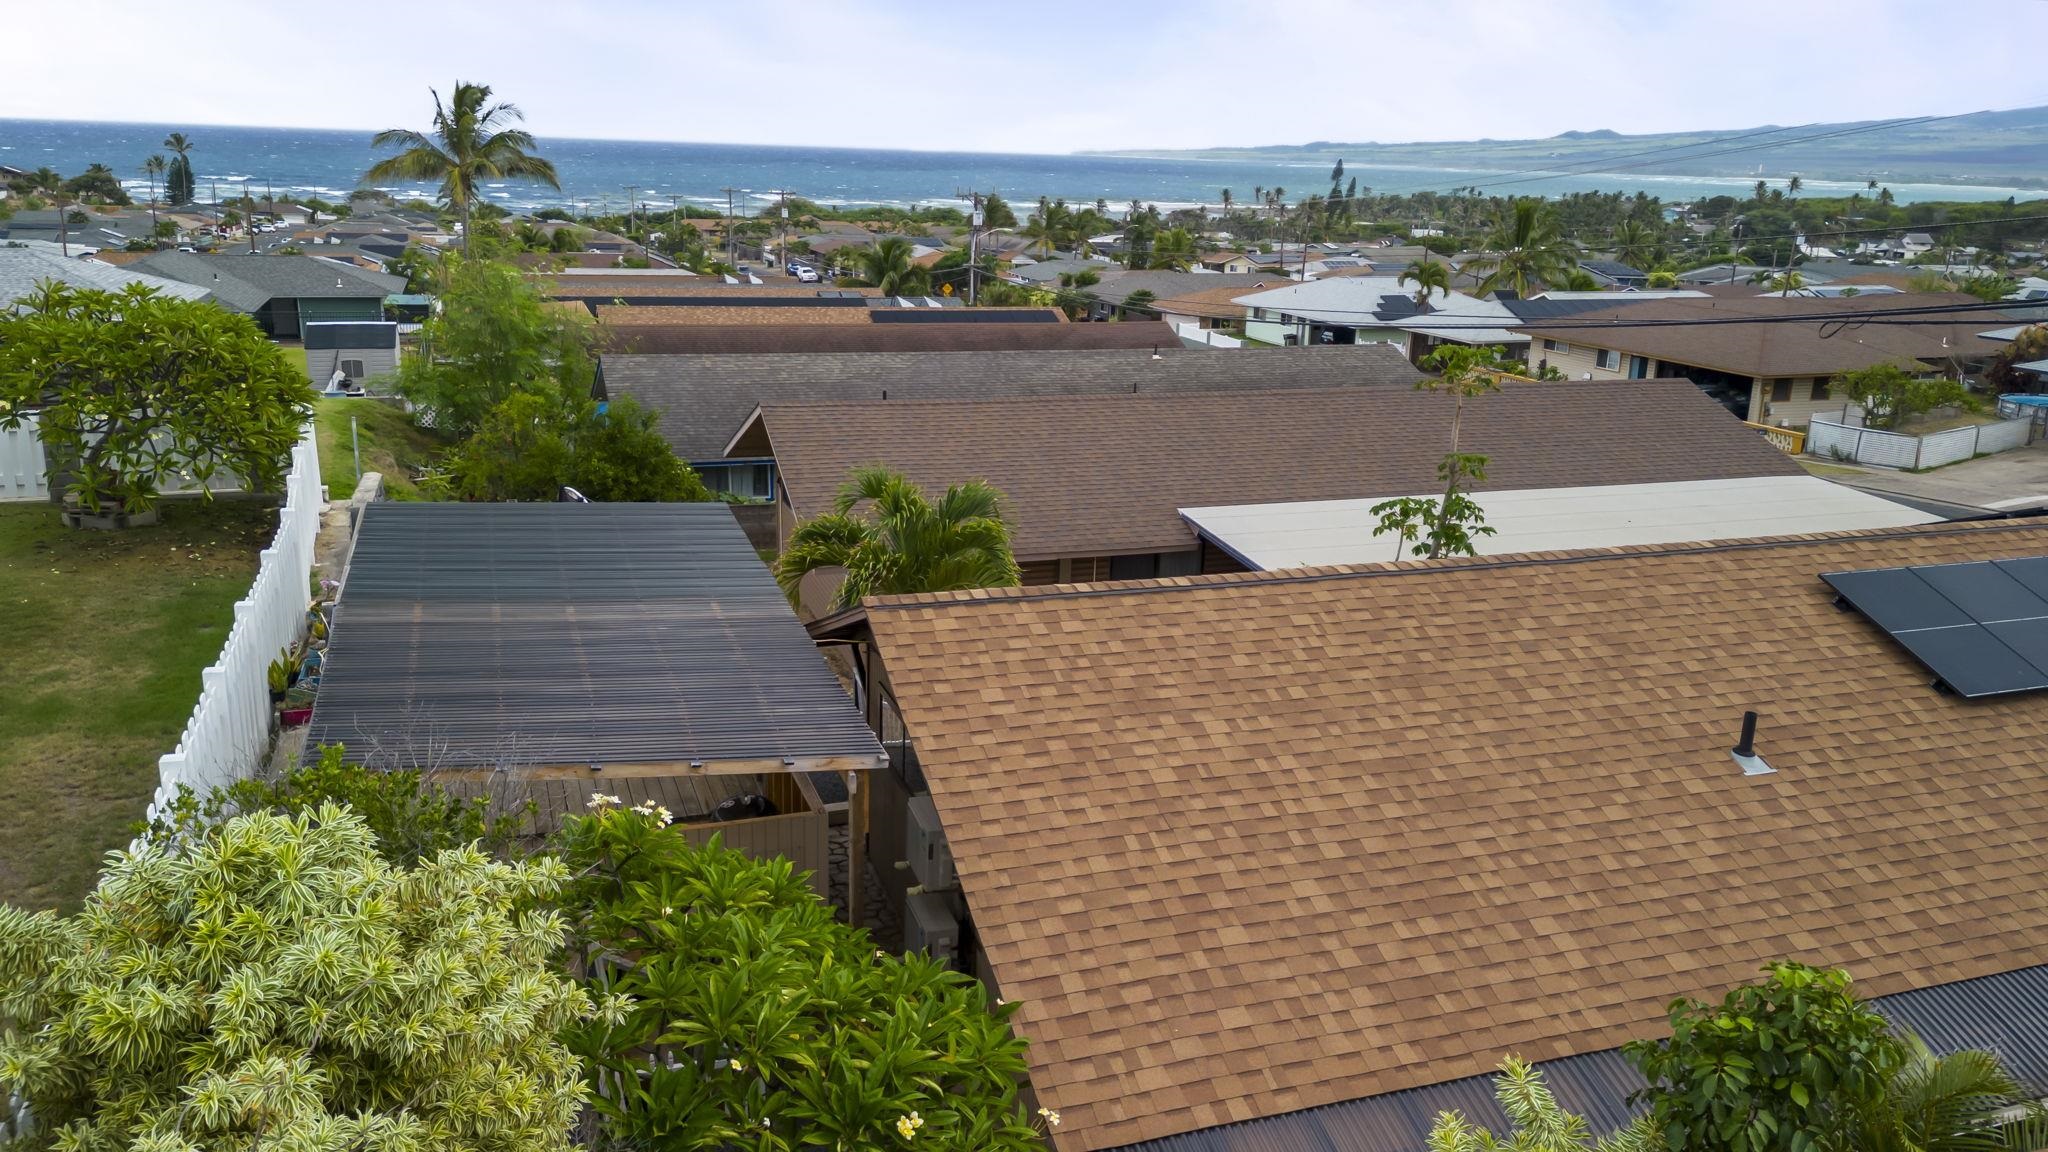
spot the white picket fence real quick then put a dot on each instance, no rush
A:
(229, 731)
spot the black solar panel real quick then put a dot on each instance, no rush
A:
(1981, 628)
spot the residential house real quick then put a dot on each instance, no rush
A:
(281, 292)
(1346, 310)
(1756, 354)
(704, 400)
(1722, 274)
(26, 264)
(514, 651)
(1296, 859)
(1211, 309)
(1241, 263)
(1118, 286)
(1047, 273)
(1093, 486)
(1615, 274)
(358, 350)
(102, 228)
(632, 330)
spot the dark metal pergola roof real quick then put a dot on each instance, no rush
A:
(647, 639)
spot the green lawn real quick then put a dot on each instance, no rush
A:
(391, 444)
(295, 354)
(105, 636)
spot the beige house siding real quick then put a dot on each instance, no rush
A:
(1580, 361)
(1800, 405)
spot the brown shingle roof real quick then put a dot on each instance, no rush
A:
(1246, 845)
(1106, 475)
(570, 284)
(627, 315)
(704, 399)
(662, 338)
(1781, 349)
(1216, 302)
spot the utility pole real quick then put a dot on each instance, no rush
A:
(63, 223)
(730, 258)
(632, 200)
(974, 221)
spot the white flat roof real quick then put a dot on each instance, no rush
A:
(1312, 533)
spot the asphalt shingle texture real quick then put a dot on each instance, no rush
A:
(1241, 846)
(246, 282)
(1107, 475)
(704, 399)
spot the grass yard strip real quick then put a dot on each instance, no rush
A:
(105, 636)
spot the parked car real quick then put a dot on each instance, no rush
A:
(804, 275)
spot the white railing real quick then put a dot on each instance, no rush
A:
(229, 731)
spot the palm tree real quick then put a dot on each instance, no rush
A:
(1173, 249)
(1525, 251)
(1635, 244)
(1793, 186)
(1762, 189)
(1048, 226)
(153, 168)
(907, 544)
(178, 188)
(1226, 201)
(1428, 276)
(887, 266)
(470, 143)
(1964, 1102)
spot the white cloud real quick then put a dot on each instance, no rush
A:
(1035, 78)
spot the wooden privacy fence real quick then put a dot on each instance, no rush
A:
(228, 734)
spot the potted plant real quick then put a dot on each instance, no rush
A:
(280, 676)
(298, 706)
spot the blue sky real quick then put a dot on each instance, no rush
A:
(1041, 77)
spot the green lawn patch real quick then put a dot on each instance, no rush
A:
(391, 444)
(294, 353)
(1830, 469)
(105, 636)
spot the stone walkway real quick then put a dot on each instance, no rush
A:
(880, 919)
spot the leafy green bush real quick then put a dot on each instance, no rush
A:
(494, 335)
(278, 985)
(533, 444)
(1783, 1065)
(738, 1013)
(412, 818)
(136, 388)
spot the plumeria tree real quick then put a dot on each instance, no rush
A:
(737, 1012)
(277, 984)
(133, 389)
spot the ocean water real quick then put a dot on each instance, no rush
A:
(596, 174)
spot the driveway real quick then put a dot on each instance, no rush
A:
(2007, 482)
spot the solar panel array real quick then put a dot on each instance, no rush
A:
(1981, 628)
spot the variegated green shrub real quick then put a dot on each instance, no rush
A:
(278, 985)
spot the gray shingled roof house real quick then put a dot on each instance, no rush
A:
(21, 269)
(281, 292)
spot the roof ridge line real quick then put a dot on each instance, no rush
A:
(1326, 573)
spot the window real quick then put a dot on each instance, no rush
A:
(1143, 566)
(1638, 367)
(1820, 388)
(1604, 358)
(754, 481)
(1556, 346)
(353, 369)
(1781, 391)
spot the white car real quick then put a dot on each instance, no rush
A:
(804, 275)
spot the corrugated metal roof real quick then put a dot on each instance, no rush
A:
(571, 634)
(2006, 1013)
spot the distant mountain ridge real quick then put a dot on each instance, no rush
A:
(2004, 147)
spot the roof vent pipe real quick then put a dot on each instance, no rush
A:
(1745, 752)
